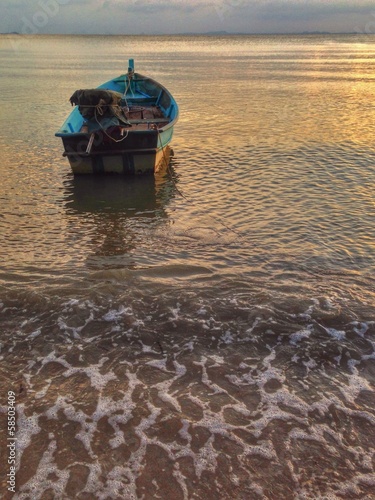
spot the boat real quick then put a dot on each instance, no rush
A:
(124, 126)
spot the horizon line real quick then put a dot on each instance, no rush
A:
(208, 33)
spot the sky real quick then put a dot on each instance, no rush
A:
(185, 16)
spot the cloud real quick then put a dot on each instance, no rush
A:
(170, 16)
(288, 16)
(294, 9)
(154, 6)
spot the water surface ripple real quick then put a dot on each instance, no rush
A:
(209, 333)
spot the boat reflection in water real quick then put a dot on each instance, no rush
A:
(115, 215)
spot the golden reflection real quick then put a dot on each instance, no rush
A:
(305, 94)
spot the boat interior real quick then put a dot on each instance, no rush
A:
(145, 105)
(142, 117)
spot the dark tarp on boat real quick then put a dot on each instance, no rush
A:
(98, 104)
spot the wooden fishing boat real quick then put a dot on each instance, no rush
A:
(123, 126)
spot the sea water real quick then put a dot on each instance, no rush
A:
(208, 333)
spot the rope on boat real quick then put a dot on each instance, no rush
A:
(127, 83)
(105, 132)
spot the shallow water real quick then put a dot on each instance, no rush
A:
(210, 332)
